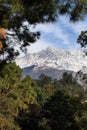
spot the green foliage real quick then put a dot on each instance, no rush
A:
(35, 11)
(67, 78)
(14, 13)
(84, 122)
(82, 39)
(30, 118)
(40, 104)
(19, 11)
(10, 70)
(44, 80)
(62, 111)
(69, 83)
(45, 89)
(76, 9)
(15, 95)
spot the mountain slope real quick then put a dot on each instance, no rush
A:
(36, 71)
(72, 60)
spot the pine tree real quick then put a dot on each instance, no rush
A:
(14, 13)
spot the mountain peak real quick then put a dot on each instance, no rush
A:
(72, 60)
(50, 48)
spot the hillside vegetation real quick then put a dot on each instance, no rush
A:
(43, 104)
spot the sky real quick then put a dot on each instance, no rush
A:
(60, 34)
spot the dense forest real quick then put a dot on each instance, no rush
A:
(43, 104)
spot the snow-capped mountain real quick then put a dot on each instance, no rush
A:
(61, 59)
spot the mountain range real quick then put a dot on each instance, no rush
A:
(53, 62)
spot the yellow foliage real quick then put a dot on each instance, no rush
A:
(2, 33)
(5, 124)
(1, 45)
(2, 36)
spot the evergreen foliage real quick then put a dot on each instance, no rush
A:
(30, 104)
(61, 111)
(82, 39)
(15, 13)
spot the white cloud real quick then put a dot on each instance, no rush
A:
(59, 34)
(77, 27)
(56, 30)
(80, 26)
(62, 30)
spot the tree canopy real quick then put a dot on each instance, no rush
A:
(31, 104)
(14, 13)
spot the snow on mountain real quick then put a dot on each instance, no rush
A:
(60, 59)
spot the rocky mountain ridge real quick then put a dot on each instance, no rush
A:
(60, 59)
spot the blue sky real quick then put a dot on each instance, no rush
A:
(60, 34)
